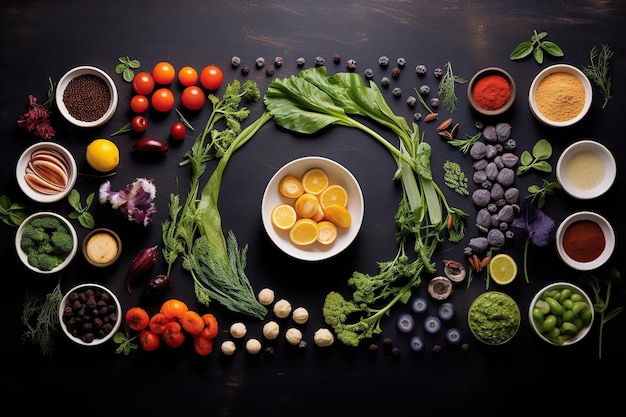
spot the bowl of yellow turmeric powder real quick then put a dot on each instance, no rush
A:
(560, 95)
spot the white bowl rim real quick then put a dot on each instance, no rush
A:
(116, 326)
(609, 235)
(33, 194)
(24, 258)
(560, 68)
(608, 162)
(561, 284)
(75, 72)
(316, 251)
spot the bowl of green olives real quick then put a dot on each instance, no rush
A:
(561, 314)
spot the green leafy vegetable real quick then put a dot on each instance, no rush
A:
(40, 316)
(598, 70)
(195, 228)
(125, 341)
(81, 212)
(12, 214)
(538, 194)
(455, 178)
(126, 67)
(312, 101)
(465, 145)
(601, 304)
(541, 152)
(449, 100)
(536, 46)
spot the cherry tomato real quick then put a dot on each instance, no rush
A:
(202, 345)
(137, 318)
(163, 100)
(143, 83)
(149, 340)
(187, 76)
(173, 335)
(174, 308)
(178, 131)
(192, 322)
(139, 103)
(211, 77)
(163, 73)
(139, 124)
(157, 323)
(193, 98)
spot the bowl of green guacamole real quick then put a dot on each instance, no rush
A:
(494, 318)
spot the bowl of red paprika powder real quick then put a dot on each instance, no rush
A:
(585, 240)
(491, 91)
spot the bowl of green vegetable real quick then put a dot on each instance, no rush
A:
(561, 314)
(494, 318)
(46, 242)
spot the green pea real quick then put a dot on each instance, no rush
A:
(567, 304)
(555, 306)
(564, 294)
(538, 316)
(576, 297)
(549, 323)
(579, 307)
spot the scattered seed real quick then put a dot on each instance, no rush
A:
(260, 61)
(438, 72)
(369, 73)
(278, 61)
(434, 102)
(411, 101)
(424, 89)
(300, 61)
(397, 92)
(395, 72)
(235, 61)
(383, 61)
(245, 69)
(319, 61)
(385, 81)
(417, 116)
(351, 65)
(401, 62)
(336, 58)
(431, 116)
(269, 71)
(445, 124)
(420, 69)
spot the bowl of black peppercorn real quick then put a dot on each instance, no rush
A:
(86, 96)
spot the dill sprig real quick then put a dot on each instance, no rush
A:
(40, 316)
(598, 70)
(446, 93)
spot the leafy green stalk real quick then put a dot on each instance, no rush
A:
(79, 211)
(449, 100)
(539, 194)
(40, 317)
(12, 214)
(536, 46)
(598, 70)
(538, 159)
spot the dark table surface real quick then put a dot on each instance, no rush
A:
(41, 40)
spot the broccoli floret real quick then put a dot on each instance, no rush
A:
(46, 247)
(27, 244)
(44, 261)
(62, 243)
(46, 222)
(35, 233)
(337, 311)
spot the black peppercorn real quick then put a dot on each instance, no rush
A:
(269, 71)
(245, 69)
(395, 72)
(336, 58)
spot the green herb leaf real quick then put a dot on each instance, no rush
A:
(542, 149)
(12, 214)
(126, 67)
(536, 46)
(522, 51)
(80, 212)
(538, 55)
(598, 70)
(551, 48)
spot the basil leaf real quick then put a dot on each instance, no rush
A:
(551, 48)
(539, 36)
(542, 149)
(526, 158)
(543, 166)
(538, 55)
(522, 51)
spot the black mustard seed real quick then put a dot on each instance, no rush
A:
(87, 97)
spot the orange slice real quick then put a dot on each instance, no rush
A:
(340, 216)
(327, 232)
(334, 194)
(314, 181)
(304, 232)
(307, 205)
(290, 186)
(319, 216)
(283, 216)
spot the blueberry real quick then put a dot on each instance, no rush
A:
(406, 323)
(420, 305)
(453, 336)
(446, 311)
(432, 324)
(416, 343)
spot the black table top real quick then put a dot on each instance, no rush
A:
(41, 40)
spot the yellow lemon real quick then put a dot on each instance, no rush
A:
(283, 216)
(334, 194)
(304, 232)
(314, 181)
(103, 155)
(502, 268)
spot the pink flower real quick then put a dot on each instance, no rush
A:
(37, 120)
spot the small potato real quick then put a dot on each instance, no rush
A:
(300, 315)
(238, 330)
(293, 336)
(228, 347)
(282, 308)
(253, 346)
(271, 330)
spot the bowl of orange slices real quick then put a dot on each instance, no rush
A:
(312, 208)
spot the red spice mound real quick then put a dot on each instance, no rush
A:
(491, 92)
(584, 241)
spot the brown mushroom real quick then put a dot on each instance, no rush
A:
(440, 288)
(454, 270)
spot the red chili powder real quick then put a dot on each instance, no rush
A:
(491, 92)
(583, 241)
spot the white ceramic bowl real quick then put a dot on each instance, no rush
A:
(560, 68)
(24, 256)
(110, 323)
(585, 325)
(71, 115)
(337, 174)
(480, 75)
(586, 169)
(575, 261)
(71, 172)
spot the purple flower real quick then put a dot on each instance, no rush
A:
(135, 201)
(37, 120)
